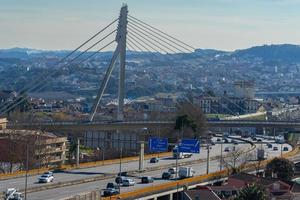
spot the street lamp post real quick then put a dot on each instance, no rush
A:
(26, 174)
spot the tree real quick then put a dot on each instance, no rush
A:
(232, 159)
(251, 192)
(190, 116)
(281, 167)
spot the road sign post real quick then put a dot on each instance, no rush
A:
(189, 146)
(158, 144)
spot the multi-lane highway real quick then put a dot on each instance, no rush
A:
(72, 175)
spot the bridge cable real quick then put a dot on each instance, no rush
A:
(29, 86)
(163, 34)
(137, 27)
(23, 97)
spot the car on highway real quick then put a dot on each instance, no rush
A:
(112, 185)
(166, 175)
(128, 182)
(172, 170)
(122, 174)
(254, 138)
(154, 160)
(285, 148)
(219, 140)
(275, 148)
(120, 179)
(110, 192)
(147, 179)
(259, 140)
(226, 149)
(46, 178)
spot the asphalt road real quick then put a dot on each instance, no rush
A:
(63, 192)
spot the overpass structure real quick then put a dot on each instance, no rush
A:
(128, 125)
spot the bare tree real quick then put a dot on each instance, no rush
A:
(234, 160)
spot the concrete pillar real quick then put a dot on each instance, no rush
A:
(77, 151)
(171, 196)
(141, 156)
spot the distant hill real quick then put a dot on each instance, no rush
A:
(284, 52)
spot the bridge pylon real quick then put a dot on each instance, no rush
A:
(118, 55)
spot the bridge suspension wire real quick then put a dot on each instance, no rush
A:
(152, 35)
(23, 98)
(136, 43)
(45, 77)
(148, 38)
(163, 34)
(76, 49)
(145, 40)
(132, 48)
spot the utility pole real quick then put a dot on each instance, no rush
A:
(26, 174)
(120, 166)
(77, 152)
(208, 159)
(221, 155)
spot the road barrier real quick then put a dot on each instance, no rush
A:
(81, 165)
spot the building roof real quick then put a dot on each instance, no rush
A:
(206, 194)
(249, 178)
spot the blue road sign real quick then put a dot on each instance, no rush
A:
(158, 144)
(189, 146)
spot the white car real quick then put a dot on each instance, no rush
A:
(46, 178)
(128, 182)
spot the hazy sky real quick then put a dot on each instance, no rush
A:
(219, 24)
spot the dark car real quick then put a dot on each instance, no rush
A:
(112, 185)
(122, 174)
(119, 179)
(269, 145)
(147, 179)
(275, 148)
(254, 139)
(285, 148)
(166, 175)
(259, 140)
(219, 140)
(110, 192)
(226, 141)
(154, 160)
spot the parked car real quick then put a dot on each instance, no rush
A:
(285, 148)
(110, 192)
(226, 149)
(154, 160)
(172, 170)
(275, 148)
(112, 185)
(166, 175)
(119, 179)
(147, 179)
(128, 182)
(46, 178)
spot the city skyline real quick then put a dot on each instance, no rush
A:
(218, 24)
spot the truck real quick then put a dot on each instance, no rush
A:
(13, 194)
(177, 154)
(185, 172)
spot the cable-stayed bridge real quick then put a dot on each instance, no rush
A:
(124, 33)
